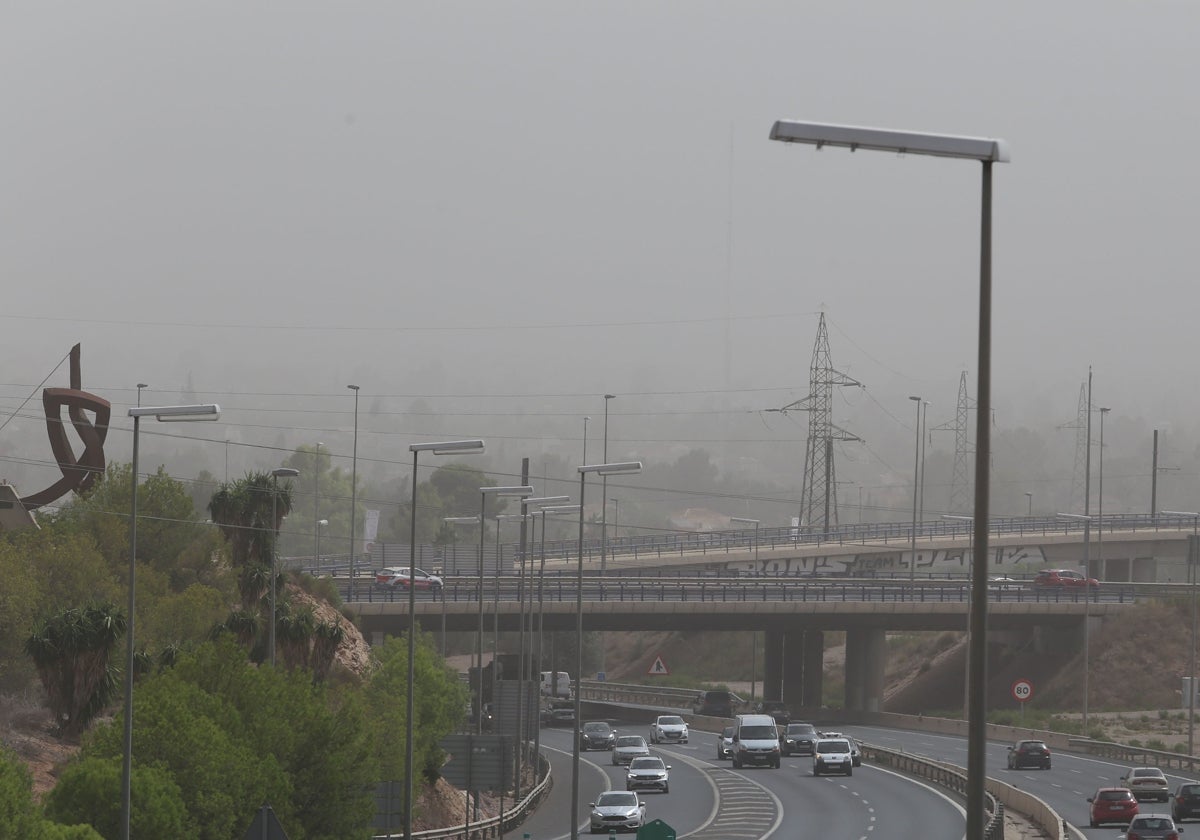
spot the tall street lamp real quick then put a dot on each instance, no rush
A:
(521, 491)
(987, 151)
(1087, 600)
(1100, 505)
(276, 474)
(755, 523)
(622, 468)
(604, 492)
(586, 420)
(1029, 498)
(1191, 579)
(552, 510)
(317, 500)
(354, 489)
(163, 413)
(452, 447)
(321, 523)
(970, 567)
(924, 442)
(912, 566)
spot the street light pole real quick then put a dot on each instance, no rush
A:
(276, 474)
(321, 523)
(454, 447)
(1087, 600)
(484, 492)
(1029, 498)
(317, 502)
(140, 386)
(161, 413)
(912, 566)
(1193, 546)
(987, 151)
(604, 494)
(354, 490)
(623, 468)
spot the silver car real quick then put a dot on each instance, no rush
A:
(617, 810)
(648, 773)
(629, 747)
(1153, 827)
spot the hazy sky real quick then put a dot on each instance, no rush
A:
(498, 199)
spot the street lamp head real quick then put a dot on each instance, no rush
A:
(352, 387)
(458, 447)
(543, 501)
(853, 137)
(178, 413)
(521, 490)
(744, 519)
(142, 385)
(461, 520)
(1080, 516)
(618, 468)
(558, 509)
(918, 399)
(285, 472)
(610, 396)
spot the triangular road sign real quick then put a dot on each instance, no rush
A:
(265, 826)
(659, 668)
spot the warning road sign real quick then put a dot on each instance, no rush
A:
(659, 668)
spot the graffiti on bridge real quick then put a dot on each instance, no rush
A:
(950, 561)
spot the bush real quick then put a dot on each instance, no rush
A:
(89, 791)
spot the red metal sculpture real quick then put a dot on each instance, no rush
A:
(79, 474)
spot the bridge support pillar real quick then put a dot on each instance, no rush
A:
(814, 669)
(794, 674)
(772, 686)
(865, 659)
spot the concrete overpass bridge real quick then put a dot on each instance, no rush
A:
(793, 614)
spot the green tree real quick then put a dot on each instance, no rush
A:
(89, 791)
(71, 652)
(438, 704)
(232, 736)
(243, 510)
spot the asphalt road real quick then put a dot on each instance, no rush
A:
(709, 800)
(1065, 787)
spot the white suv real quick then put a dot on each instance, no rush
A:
(670, 729)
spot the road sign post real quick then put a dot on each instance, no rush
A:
(1022, 692)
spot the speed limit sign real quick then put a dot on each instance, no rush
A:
(1022, 690)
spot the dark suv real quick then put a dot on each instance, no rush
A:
(717, 703)
(798, 739)
(1028, 754)
(778, 710)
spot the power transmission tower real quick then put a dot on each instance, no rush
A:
(1079, 478)
(818, 495)
(961, 498)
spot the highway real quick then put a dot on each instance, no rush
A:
(1065, 787)
(709, 800)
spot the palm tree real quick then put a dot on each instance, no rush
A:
(243, 510)
(327, 638)
(71, 653)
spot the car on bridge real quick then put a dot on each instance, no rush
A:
(617, 810)
(1063, 579)
(399, 576)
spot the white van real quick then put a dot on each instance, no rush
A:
(562, 689)
(755, 741)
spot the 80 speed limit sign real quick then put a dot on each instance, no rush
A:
(1022, 690)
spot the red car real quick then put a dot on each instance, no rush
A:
(1112, 804)
(1063, 579)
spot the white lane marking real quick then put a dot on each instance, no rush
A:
(961, 810)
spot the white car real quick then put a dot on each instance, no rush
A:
(670, 729)
(832, 754)
(649, 773)
(1005, 584)
(399, 576)
(629, 747)
(1147, 783)
(617, 810)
